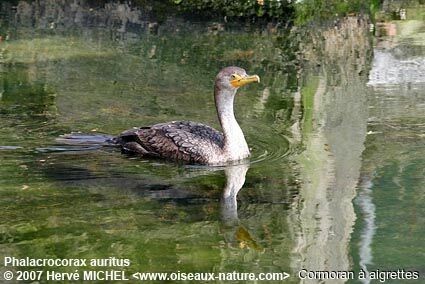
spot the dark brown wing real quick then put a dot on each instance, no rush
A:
(176, 140)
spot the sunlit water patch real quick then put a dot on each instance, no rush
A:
(389, 70)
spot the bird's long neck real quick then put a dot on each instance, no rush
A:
(235, 145)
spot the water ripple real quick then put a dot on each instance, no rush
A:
(268, 145)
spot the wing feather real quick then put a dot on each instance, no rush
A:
(176, 140)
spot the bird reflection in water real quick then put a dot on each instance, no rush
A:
(233, 230)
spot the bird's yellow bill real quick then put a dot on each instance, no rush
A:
(240, 81)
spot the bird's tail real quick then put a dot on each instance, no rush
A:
(84, 139)
(77, 142)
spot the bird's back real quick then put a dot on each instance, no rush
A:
(177, 140)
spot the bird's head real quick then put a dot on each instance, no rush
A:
(231, 78)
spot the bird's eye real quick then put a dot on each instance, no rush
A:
(233, 77)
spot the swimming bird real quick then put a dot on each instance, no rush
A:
(194, 142)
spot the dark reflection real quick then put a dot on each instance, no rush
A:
(25, 92)
(188, 198)
(28, 105)
(139, 185)
(61, 169)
